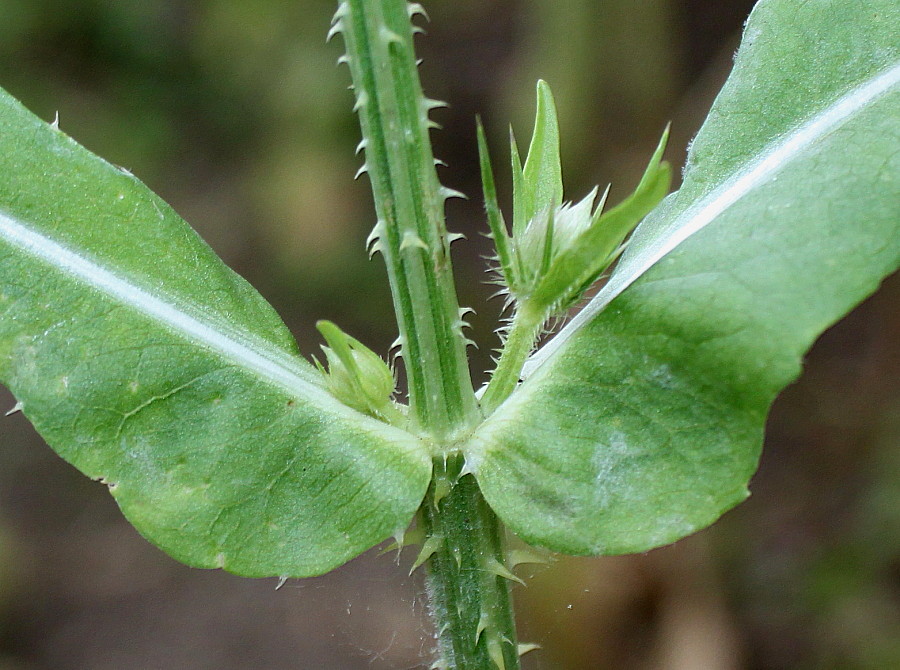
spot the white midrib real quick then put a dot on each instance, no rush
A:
(707, 209)
(243, 350)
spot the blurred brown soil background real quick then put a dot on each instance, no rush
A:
(236, 114)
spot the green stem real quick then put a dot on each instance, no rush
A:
(409, 202)
(468, 582)
(523, 333)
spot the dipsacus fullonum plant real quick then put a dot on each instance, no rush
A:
(149, 365)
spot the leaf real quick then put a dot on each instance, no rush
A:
(147, 363)
(643, 420)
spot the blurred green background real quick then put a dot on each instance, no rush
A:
(234, 111)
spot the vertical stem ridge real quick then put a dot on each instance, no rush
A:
(469, 597)
(409, 202)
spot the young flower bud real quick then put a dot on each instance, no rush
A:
(356, 375)
(557, 250)
(546, 236)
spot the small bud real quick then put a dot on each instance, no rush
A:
(356, 375)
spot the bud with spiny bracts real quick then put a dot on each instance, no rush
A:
(357, 376)
(557, 250)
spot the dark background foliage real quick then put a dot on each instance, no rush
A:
(234, 111)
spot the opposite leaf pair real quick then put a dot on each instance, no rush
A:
(145, 362)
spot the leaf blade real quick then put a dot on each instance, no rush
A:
(646, 420)
(147, 363)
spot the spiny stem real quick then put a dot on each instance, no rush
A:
(463, 546)
(468, 583)
(409, 203)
